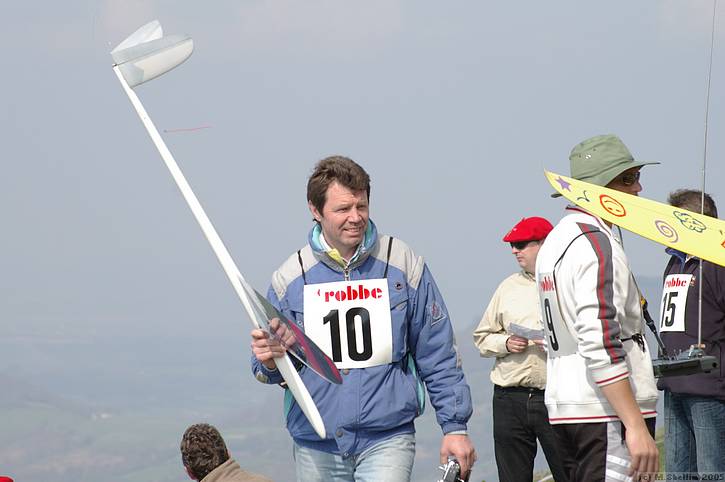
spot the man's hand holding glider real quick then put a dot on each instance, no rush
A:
(267, 347)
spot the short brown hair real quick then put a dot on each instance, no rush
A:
(336, 168)
(203, 449)
(691, 199)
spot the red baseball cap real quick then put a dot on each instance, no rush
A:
(529, 229)
(5, 479)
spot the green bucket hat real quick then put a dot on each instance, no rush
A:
(599, 159)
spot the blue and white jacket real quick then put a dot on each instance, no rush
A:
(375, 403)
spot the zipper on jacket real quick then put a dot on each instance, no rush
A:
(346, 272)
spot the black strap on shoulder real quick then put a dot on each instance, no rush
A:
(553, 269)
(387, 260)
(637, 337)
(572, 242)
(302, 267)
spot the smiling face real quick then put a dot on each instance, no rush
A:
(344, 218)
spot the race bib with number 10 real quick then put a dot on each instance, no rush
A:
(350, 321)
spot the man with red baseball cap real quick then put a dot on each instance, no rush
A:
(511, 331)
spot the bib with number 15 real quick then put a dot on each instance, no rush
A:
(350, 321)
(674, 302)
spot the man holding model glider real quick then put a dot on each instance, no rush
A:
(600, 389)
(373, 306)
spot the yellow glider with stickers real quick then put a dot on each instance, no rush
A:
(686, 231)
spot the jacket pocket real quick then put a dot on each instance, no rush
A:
(388, 397)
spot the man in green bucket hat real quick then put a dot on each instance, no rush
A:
(600, 391)
(605, 159)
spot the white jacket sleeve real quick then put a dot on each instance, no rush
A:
(599, 290)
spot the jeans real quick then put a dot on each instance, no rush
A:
(388, 461)
(694, 433)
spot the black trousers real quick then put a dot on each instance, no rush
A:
(519, 418)
(590, 444)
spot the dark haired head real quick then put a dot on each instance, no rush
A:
(202, 450)
(340, 169)
(691, 200)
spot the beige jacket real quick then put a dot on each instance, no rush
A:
(516, 300)
(230, 471)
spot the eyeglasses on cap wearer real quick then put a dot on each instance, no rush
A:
(629, 178)
(521, 244)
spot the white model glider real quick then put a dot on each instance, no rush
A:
(145, 55)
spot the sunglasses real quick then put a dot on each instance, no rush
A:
(629, 178)
(521, 245)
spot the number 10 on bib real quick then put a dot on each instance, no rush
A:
(350, 321)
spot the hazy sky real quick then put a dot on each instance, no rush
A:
(454, 108)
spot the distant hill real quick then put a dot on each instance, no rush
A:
(115, 408)
(83, 408)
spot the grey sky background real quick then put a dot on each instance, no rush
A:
(455, 109)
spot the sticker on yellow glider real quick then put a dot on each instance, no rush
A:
(686, 231)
